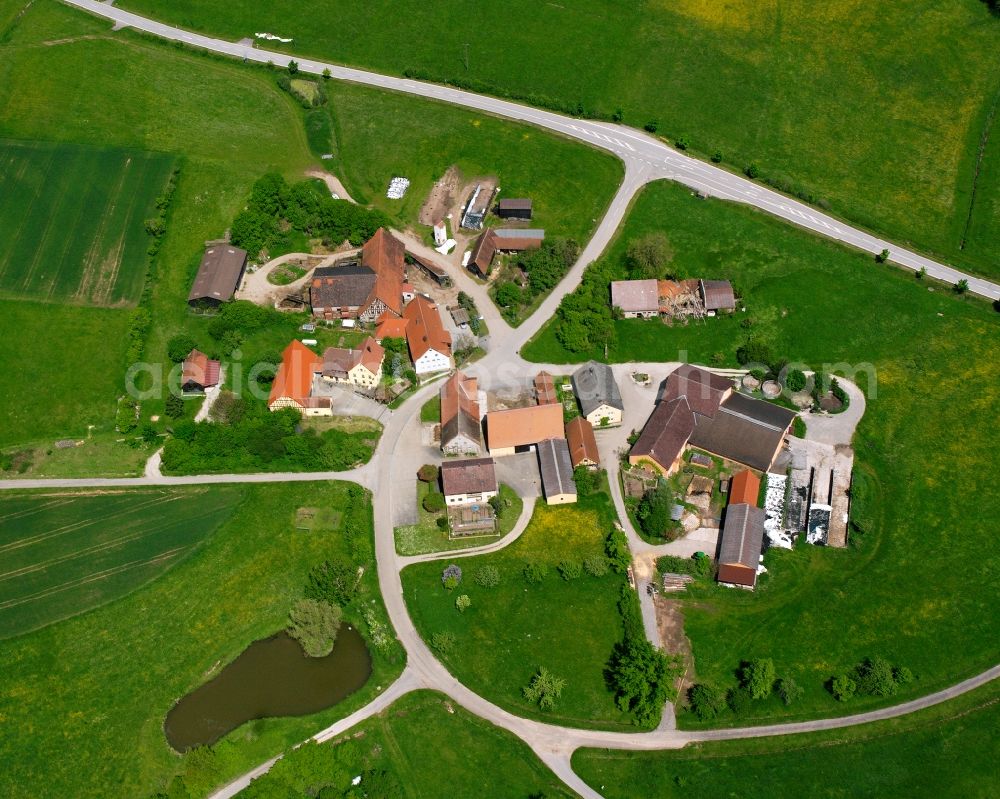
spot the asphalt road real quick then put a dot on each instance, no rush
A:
(646, 158)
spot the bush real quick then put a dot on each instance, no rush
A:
(652, 126)
(875, 677)
(596, 565)
(739, 701)
(616, 548)
(753, 351)
(795, 380)
(843, 688)
(428, 473)
(789, 690)
(451, 577)
(705, 701)
(902, 675)
(487, 576)
(757, 676)
(442, 522)
(588, 481)
(534, 572)
(961, 286)
(174, 407)
(544, 689)
(434, 502)
(752, 171)
(799, 427)
(314, 625)
(443, 642)
(463, 603)
(179, 346)
(570, 569)
(333, 582)
(654, 509)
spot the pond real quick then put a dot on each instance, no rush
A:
(271, 678)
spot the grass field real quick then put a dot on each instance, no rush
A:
(430, 746)
(567, 626)
(950, 751)
(88, 695)
(917, 587)
(874, 131)
(72, 219)
(65, 553)
(379, 135)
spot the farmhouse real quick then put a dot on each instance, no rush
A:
(218, 275)
(519, 429)
(545, 389)
(582, 443)
(636, 298)
(359, 367)
(461, 425)
(557, 472)
(365, 289)
(741, 545)
(493, 241)
(292, 385)
(598, 394)
(469, 482)
(429, 342)
(514, 208)
(699, 408)
(199, 372)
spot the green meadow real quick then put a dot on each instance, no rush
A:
(949, 751)
(88, 695)
(72, 219)
(65, 553)
(424, 745)
(874, 111)
(511, 629)
(917, 584)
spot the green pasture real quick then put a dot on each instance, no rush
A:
(66, 553)
(427, 746)
(72, 219)
(949, 751)
(567, 626)
(88, 695)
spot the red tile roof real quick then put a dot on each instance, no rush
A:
(424, 329)
(385, 255)
(390, 326)
(295, 374)
(199, 369)
(582, 442)
(545, 389)
(745, 487)
(518, 427)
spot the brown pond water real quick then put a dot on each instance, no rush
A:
(271, 678)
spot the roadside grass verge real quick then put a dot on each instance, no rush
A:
(73, 219)
(65, 553)
(88, 695)
(510, 630)
(426, 536)
(949, 750)
(425, 746)
(914, 586)
(875, 134)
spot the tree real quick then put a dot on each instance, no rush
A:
(921, 273)
(650, 256)
(463, 602)
(875, 677)
(179, 346)
(487, 576)
(333, 582)
(789, 690)
(961, 286)
(428, 473)
(587, 480)
(706, 702)
(174, 407)
(752, 171)
(753, 350)
(451, 576)
(843, 688)
(314, 625)
(638, 673)
(616, 548)
(716, 157)
(681, 143)
(293, 67)
(498, 504)
(654, 509)
(544, 689)
(327, 74)
(434, 502)
(882, 257)
(149, 433)
(652, 126)
(507, 294)
(757, 676)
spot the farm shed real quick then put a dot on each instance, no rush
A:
(219, 275)
(557, 471)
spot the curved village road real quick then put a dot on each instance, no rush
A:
(645, 157)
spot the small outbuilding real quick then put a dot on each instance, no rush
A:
(557, 472)
(199, 372)
(741, 545)
(582, 443)
(717, 295)
(219, 275)
(514, 208)
(636, 298)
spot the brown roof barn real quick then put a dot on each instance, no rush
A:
(741, 545)
(471, 476)
(218, 275)
(582, 443)
(717, 295)
(556, 470)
